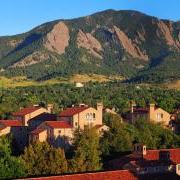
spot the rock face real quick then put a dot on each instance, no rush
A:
(34, 58)
(166, 30)
(129, 45)
(14, 43)
(87, 41)
(58, 38)
(126, 43)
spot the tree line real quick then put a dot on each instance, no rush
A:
(112, 94)
(89, 151)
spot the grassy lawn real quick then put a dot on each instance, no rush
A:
(24, 82)
(173, 85)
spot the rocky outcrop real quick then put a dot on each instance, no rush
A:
(129, 45)
(34, 58)
(165, 30)
(142, 34)
(14, 43)
(87, 41)
(58, 39)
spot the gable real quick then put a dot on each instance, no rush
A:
(160, 110)
(69, 112)
(89, 110)
(26, 111)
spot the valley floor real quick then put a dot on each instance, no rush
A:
(21, 81)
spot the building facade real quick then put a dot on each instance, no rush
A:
(18, 132)
(26, 114)
(83, 116)
(151, 113)
(60, 132)
(149, 162)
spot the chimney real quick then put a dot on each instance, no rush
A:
(151, 107)
(140, 150)
(178, 169)
(49, 108)
(133, 104)
(83, 105)
(151, 110)
(36, 105)
(100, 112)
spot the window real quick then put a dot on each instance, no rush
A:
(59, 131)
(178, 167)
(76, 124)
(157, 169)
(138, 148)
(89, 116)
(164, 155)
(94, 115)
(159, 116)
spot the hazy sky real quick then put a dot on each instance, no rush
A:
(17, 16)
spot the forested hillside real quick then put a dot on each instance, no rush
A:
(113, 95)
(127, 43)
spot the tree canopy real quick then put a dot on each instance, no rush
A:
(86, 151)
(43, 159)
(10, 166)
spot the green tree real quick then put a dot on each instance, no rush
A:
(109, 118)
(119, 138)
(86, 151)
(155, 136)
(43, 159)
(10, 166)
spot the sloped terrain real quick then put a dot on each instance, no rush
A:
(127, 43)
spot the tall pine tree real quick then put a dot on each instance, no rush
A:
(86, 151)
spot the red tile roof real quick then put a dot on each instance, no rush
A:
(154, 163)
(58, 124)
(98, 126)
(154, 154)
(108, 175)
(151, 156)
(140, 110)
(11, 123)
(72, 111)
(37, 131)
(26, 111)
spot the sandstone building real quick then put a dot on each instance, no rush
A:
(151, 113)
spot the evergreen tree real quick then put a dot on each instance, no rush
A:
(86, 151)
(10, 166)
(43, 159)
(119, 138)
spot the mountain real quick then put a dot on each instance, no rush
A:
(128, 43)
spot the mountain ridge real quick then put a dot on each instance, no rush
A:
(109, 42)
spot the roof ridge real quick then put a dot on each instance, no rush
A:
(163, 149)
(73, 110)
